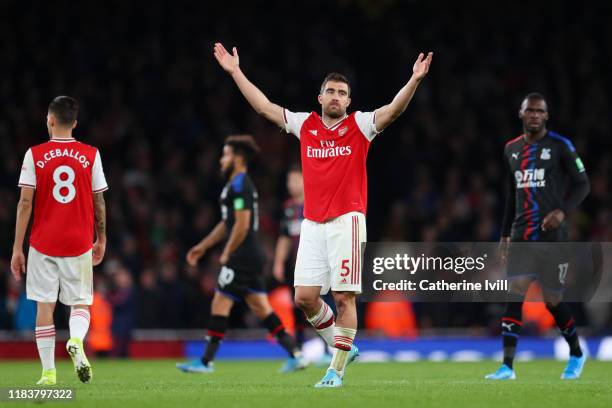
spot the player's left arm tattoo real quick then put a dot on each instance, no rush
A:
(100, 216)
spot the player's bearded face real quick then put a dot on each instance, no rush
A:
(227, 161)
(334, 99)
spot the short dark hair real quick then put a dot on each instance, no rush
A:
(336, 77)
(243, 145)
(65, 109)
(534, 96)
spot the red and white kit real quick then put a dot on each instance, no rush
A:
(335, 198)
(65, 174)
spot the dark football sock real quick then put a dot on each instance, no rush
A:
(566, 324)
(217, 327)
(277, 329)
(511, 329)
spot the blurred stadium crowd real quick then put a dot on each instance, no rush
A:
(158, 107)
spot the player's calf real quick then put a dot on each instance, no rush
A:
(215, 335)
(45, 342)
(276, 328)
(343, 343)
(217, 326)
(324, 323)
(567, 326)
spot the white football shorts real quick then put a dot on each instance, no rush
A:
(329, 254)
(71, 276)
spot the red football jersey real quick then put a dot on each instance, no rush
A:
(333, 162)
(65, 174)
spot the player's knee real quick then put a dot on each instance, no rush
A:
(306, 302)
(260, 309)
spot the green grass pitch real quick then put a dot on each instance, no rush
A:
(257, 384)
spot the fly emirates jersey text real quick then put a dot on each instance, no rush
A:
(333, 162)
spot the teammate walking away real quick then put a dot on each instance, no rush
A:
(65, 181)
(241, 276)
(334, 147)
(538, 163)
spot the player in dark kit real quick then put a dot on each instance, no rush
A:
(242, 259)
(289, 238)
(539, 163)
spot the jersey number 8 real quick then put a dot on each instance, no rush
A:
(64, 184)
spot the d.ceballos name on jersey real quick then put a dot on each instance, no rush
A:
(530, 178)
(328, 149)
(56, 153)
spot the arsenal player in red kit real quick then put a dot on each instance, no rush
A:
(334, 147)
(65, 181)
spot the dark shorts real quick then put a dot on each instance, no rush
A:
(546, 262)
(236, 283)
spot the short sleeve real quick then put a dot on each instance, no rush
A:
(294, 121)
(27, 177)
(98, 181)
(366, 121)
(242, 194)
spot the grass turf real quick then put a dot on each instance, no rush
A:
(257, 384)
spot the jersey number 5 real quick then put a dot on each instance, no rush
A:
(66, 185)
(345, 268)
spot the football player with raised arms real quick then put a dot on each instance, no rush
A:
(334, 147)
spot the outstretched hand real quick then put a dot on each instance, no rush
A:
(421, 66)
(229, 62)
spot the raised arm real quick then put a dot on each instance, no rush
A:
(385, 115)
(257, 99)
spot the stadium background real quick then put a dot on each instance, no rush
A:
(157, 105)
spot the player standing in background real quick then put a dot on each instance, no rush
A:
(334, 148)
(288, 241)
(242, 260)
(66, 178)
(285, 253)
(538, 164)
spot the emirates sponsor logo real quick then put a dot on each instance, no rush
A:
(328, 149)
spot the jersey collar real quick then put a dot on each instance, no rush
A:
(72, 139)
(335, 124)
(524, 137)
